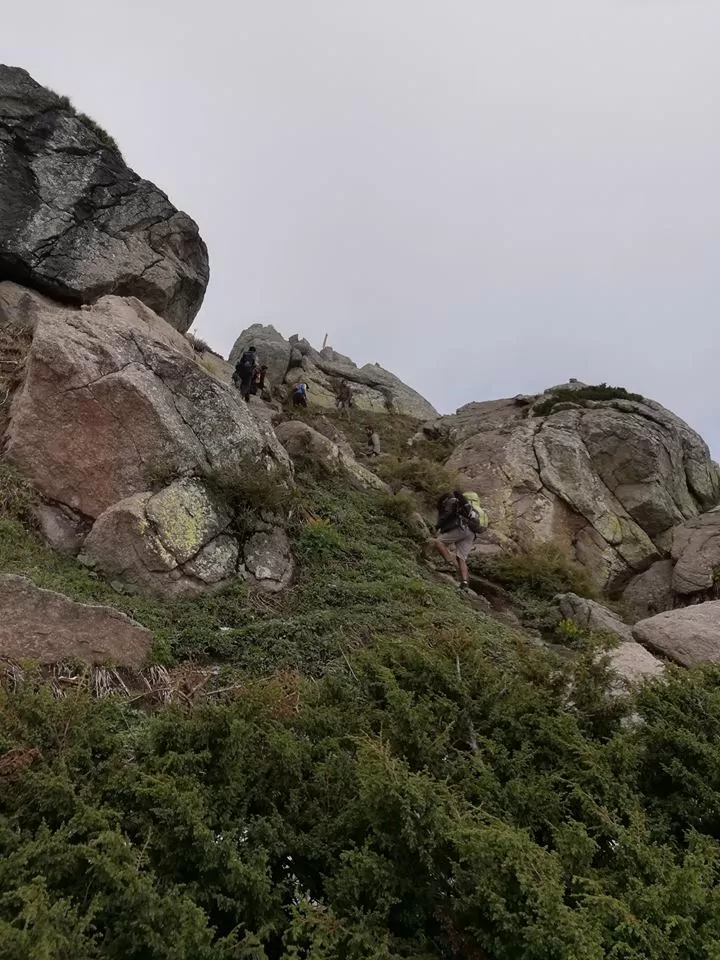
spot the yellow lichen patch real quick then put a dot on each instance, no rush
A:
(185, 518)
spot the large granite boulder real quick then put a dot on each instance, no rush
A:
(122, 433)
(305, 444)
(42, 625)
(112, 395)
(606, 480)
(272, 349)
(689, 635)
(651, 591)
(77, 223)
(696, 552)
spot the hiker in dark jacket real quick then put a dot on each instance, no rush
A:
(453, 534)
(244, 371)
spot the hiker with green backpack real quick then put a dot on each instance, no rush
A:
(460, 519)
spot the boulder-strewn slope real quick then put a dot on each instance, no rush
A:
(373, 388)
(607, 480)
(77, 223)
(118, 427)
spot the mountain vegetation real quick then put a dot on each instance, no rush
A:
(374, 771)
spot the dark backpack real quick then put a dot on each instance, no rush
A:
(246, 363)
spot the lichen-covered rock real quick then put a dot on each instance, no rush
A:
(46, 626)
(605, 480)
(77, 223)
(268, 560)
(111, 395)
(186, 518)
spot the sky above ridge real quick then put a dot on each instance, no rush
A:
(485, 197)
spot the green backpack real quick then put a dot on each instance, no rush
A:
(475, 514)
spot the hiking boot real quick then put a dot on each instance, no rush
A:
(463, 585)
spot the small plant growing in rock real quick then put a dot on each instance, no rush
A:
(569, 632)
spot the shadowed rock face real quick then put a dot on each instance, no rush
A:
(76, 223)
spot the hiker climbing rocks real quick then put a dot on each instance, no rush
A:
(460, 519)
(299, 394)
(244, 372)
(373, 442)
(344, 399)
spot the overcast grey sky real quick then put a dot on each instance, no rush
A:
(486, 197)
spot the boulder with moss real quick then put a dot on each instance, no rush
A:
(76, 222)
(119, 429)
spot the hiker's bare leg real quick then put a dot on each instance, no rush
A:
(463, 568)
(442, 550)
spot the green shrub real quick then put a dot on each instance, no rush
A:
(581, 395)
(17, 497)
(422, 476)
(66, 104)
(544, 572)
(249, 487)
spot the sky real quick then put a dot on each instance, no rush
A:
(485, 197)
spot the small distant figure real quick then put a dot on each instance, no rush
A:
(455, 532)
(344, 397)
(373, 442)
(244, 372)
(299, 394)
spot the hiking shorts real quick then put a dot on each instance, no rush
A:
(458, 540)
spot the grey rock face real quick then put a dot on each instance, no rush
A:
(111, 393)
(651, 592)
(696, 551)
(607, 481)
(629, 660)
(689, 636)
(77, 223)
(373, 388)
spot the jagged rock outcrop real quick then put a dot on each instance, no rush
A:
(42, 625)
(630, 661)
(689, 635)
(77, 223)
(607, 480)
(373, 388)
(304, 443)
(112, 404)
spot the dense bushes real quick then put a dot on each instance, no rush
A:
(394, 777)
(581, 395)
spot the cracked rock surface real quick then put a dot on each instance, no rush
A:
(76, 223)
(112, 405)
(607, 481)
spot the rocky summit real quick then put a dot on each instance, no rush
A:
(248, 709)
(76, 222)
